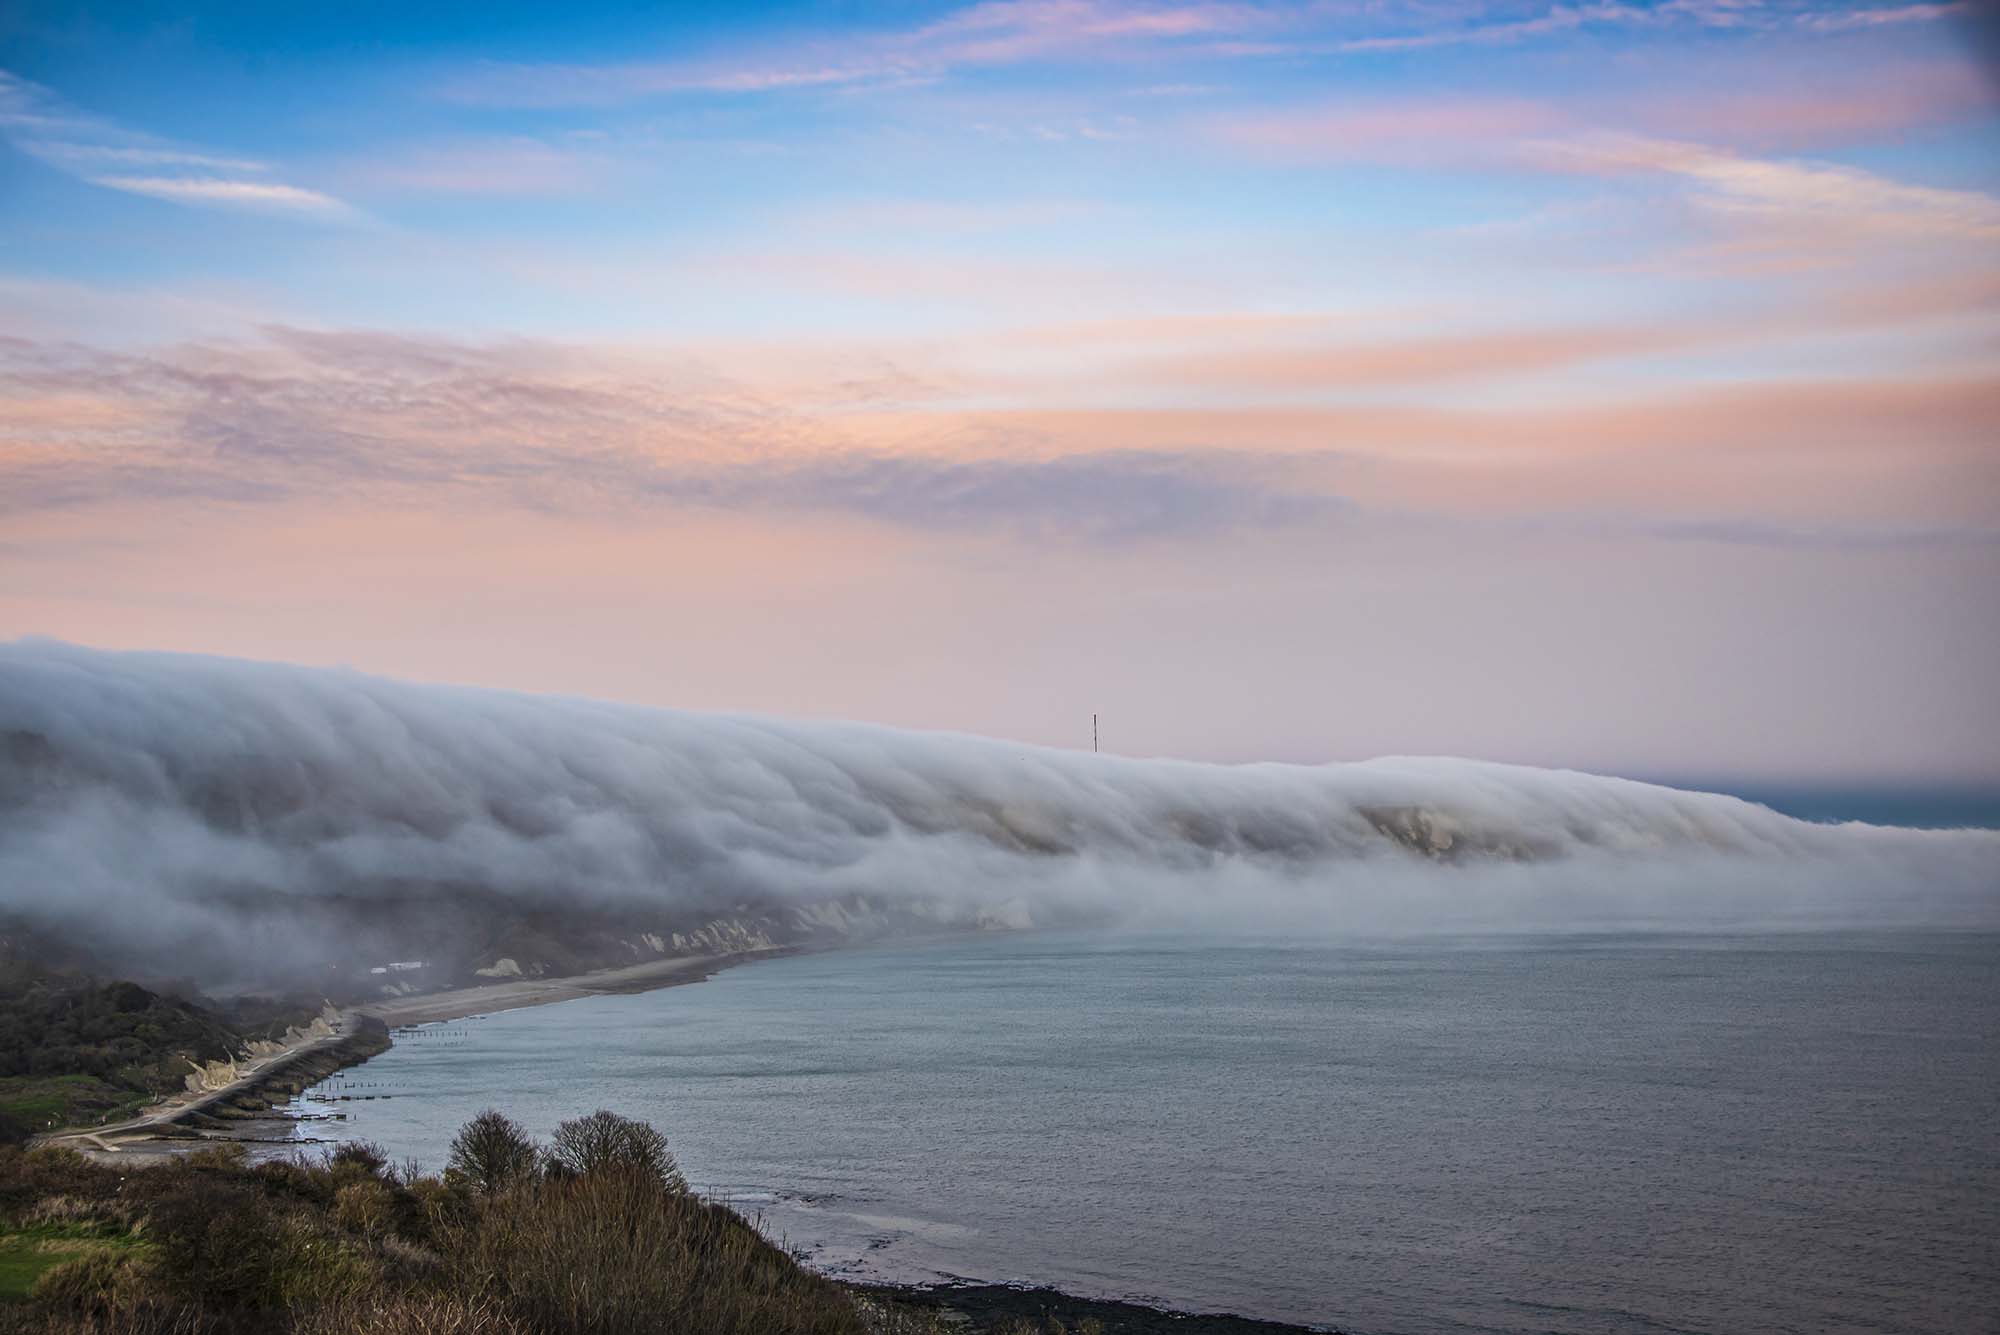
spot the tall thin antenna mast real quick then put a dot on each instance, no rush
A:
(1093, 734)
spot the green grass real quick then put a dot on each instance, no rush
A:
(25, 1254)
(78, 1052)
(22, 1261)
(42, 1102)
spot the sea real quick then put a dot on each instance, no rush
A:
(1629, 1132)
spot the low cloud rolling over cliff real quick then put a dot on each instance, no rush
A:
(223, 818)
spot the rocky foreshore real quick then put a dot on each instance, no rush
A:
(992, 1307)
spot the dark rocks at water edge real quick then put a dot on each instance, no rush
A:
(997, 1307)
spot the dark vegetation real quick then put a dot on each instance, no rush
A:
(593, 1234)
(350, 1244)
(76, 1051)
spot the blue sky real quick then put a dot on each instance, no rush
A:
(1359, 307)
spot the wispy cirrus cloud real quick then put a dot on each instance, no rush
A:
(1734, 201)
(267, 195)
(41, 124)
(87, 158)
(1291, 365)
(1785, 109)
(1892, 15)
(997, 33)
(1492, 25)
(1809, 198)
(1478, 31)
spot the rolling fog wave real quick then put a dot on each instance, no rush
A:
(153, 801)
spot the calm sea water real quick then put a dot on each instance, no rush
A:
(1575, 1134)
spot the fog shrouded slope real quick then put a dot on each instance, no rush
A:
(241, 822)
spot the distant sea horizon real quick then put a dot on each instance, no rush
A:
(1916, 805)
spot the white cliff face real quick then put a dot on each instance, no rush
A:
(150, 797)
(724, 936)
(207, 1077)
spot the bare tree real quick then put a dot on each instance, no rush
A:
(586, 1145)
(492, 1152)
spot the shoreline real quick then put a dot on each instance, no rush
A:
(165, 1123)
(159, 1134)
(979, 1306)
(181, 1122)
(518, 993)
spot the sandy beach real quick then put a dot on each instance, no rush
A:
(514, 993)
(151, 1134)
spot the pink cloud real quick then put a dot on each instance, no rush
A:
(1800, 199)
(1780, 108)
(1249, 356)
(399, 418)
(1797, 111)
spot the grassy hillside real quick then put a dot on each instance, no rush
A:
(74, 1051)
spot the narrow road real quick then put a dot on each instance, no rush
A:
(101, 1137)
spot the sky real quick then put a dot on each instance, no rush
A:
(1609, 385)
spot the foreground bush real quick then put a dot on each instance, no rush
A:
(597, 1235)
(491, 1153)
(611, 1251)
(606, 1142)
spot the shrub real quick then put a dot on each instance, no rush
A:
(492, 1152)
(616, 1252)
(604, 1140)
(409, 1314)
(359, 1156)
(94, 1280)
(433, 1209)
(609, 1243)
(365, 1207)
(76, 1214)
(317, 1267)
(219, 1242)
(298, 1178)
(14, 1127)
(140, 1317)
(222, 1156)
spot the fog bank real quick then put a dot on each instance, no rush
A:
(213, 814)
